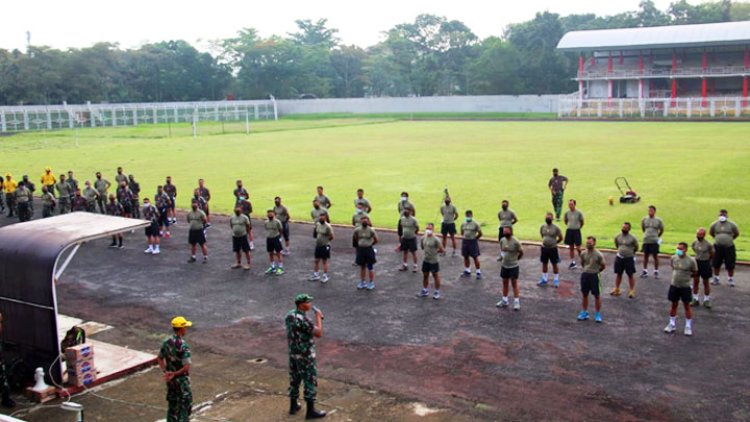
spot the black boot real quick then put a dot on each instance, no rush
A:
(312, 413)
(294, 406)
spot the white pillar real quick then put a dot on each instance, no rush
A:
(155, 115)
(25, 120)
(135, 117)
(49, 119)
(3, 125)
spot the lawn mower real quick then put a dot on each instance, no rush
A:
(628, 195)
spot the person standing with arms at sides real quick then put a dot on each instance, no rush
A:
(101, 186)
(627, 246)
(653, 228)
(704, 253)
(23, 201)
(175, 360)
(150, 213)
(31, 187)
(684, 273)
(202, 204)
(240, 225)
(404, 204)
(73, 184)
(507, 218)
(115, 210)
(48, 179)
(592, 263)
(48, 203)
(324, 201)
(301, 334)
(573, 238)
(120, 177)
(91, 196)
(448, 226)
(551, 237)
(409, 232)
(10, 186)
(206, 195)
(171, 191)
(357, 218)
(161, 201)
(511, 251)
(79, 203)
(247, 208)
(557, 185)
(432, 247)
(724, 231)
(471, 232)
(135, 188)
(366, 239)
(196, 219)
(125, 198)
(274, 229)
(282, 214)
(323, 238)
(240, 191)
(362, 200)
(317, 210)
(63, 195)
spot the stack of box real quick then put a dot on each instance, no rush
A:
(80, 362)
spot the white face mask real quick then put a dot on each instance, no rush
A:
(404, 198)
(428, 232)
(723, 218)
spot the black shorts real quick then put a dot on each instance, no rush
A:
(726, 255)
(366, 256)
(500, 233)
(430, 268)
(285, 230)
(153, 230)
(626, 265)
(511, 273)
(676, 294)
(651, 249)
(273, 244)
(549, 255)
(323, 252)
(408, 245)
(591, 283)
(470, 248)
(573, 237)
(447, 228)
(197, 236)
(240, 243)
(704, 269)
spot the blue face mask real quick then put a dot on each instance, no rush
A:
(680, 252)
(468, 219)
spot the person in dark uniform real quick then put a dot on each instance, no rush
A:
(206, 195)
(32, 188)
(73, 183)
(79, 203)
(171, 191)
(101, 186)
(23, 202)
(135, 188)
(240, 191)
(175, 360)
(125, 198)
(301, 333)
(48, 202)
(91, 196)
(115, 210)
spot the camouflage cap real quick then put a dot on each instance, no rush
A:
(302, 298)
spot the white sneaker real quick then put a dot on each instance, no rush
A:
(670, 328)
(516, 305)
(149, 250)
(324, 279)
(688, 330)
(502, 304)
(155, 252)
(731, 282)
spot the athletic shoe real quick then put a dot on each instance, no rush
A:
(656, 273)
(572, 265)
(371, 286)
(149, 250)
(270, 270)
(542, 282)
(279, 271)
(479, 276)
(731, 282)
(688, 331)
(235, 266)
(423, 293)
(631, 294)
(644, 274)
(120, 247)
(156, 252)
(707, 304)
(286, 252)
(191, 260)
(314, 277)
(205, 259)
(556, 283)
(502, 304)
(670, 328)
(615, 292)
(454, 253)
(694, 302)
(362, 285)
(324, 279)
(583, 316)
(466, 274)
(246, 267)
(516, 305)
(715, 281)
(113, 245)
(598, 317)
(208, 225)
(414, 268)
(404, 268)
(436, 295)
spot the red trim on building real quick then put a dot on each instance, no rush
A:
(610, 63)
(744, 91)
(704, 92)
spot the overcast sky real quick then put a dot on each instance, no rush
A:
(80, 23)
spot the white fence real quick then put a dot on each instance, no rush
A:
(30, 118)
(655, 108)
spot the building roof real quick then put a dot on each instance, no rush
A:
(705, 35)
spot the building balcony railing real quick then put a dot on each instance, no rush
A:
(680, 72)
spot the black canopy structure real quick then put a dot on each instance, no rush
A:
(33, 255)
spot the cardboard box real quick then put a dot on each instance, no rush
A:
(81, 367)
(79, 353)
(41, 397)
(83, 380)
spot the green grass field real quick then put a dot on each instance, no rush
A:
(688, 170)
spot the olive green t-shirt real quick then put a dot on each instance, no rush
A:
(196, 218)
(506, 217)
(239, 225)
(273, 228)
(449, 213)
(682, 270)
(362, 201)
(63, 189)
(324, 201)
(101, 186)
(90, 194)
(510, 249)
(592, 261)
(315, 213)
(574, 219)
(470, 230)
(365, 236)
(410, 227)
(324, 233)
(403, 205)
(626, 245)
(703, 249)
(724, 232)
(281, 213)
(651, 227)
(550, 233)
(431, 246)
(357, 218)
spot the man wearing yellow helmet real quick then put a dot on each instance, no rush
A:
(175, 360)
(48, 179)
(9, 187)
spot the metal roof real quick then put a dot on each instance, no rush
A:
(704, 35)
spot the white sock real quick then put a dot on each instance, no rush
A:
(689, 323)
(315, 273)
(192, 256)
(544, 276)
(281, 265)
(273, 265)
(505, 298)
(706, 297)
(478, 271)
(156, 248)
(673, 320)
(557, 277)
(516, 300)
(467, 270)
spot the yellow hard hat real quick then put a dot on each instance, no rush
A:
(8, 175)
(181, 322)
(48, 168)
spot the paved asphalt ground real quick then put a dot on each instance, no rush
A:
(460, 354)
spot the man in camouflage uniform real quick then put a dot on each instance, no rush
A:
(175, 360)
(91, 196)
(48, 202)
(206, 195)
(64, 193)
(23, 203)
(171, 191)
(300, 334)
(125, 198)
(101, 186)
(115, 210)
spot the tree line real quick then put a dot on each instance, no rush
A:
(429, 56)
